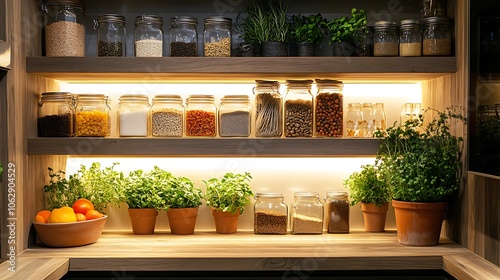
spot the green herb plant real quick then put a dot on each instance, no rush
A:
(266, 23)
(368, 186)
(255, 27)
(343, 29)
(147, 189)
(182, 193)
(230, 194)
(278, 22)
(307, 29)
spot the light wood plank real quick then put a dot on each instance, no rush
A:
(35, 269)
(469, 267)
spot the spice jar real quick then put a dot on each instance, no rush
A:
(298, 109)
(133, 115)
(167, 114)
(436, 36)
(270, 214)
(148, 36)
(386, 40)
(329, 108)
(111, 35)
(364, 41)
(201, 115)
(410, 38)
(92, 115)
(354, 122)
(64, 28)
(183, 36)
(307, 213)
(368, 120)
(234, 116)
(338, 212)
(380, 117)
(268, 109)
(217, 36)
(433, 8)
(55, 115)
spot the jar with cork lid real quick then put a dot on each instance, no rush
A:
(148, 36)
(270, 214)
(133, 115)
(167, 116)
(307, 213)
(201, 116)
(329, 103)
(92, 115)
(298, 110)
(55, 114)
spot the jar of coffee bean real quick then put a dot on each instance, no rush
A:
(55, 115)
(338, 212)
(111, 35)
(183, 36)
(270, 214)
(234, 116)
(298, 109)
(329, 110)
(148, 36)
(167, 116)
(307, 213)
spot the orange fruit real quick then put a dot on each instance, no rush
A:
(42, 216)
(83, 205)
(93, 214)
(80, 217)
(62, 215)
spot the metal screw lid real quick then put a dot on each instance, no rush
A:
(183, 20)
(436, 20)
(385, 25)
(148, 19)
(216, 20)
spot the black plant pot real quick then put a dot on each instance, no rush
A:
(257, 49)
(306, 49)
(274, 49)
(344, 49)
(245, 49)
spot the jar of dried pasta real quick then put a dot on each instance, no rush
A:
(201, 116)
(92, 115)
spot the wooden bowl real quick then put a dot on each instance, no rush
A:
(70, 234)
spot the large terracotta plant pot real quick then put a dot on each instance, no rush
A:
(225, 222)
(182, 220)
(374, 216)
(419, 224)
(143, 220)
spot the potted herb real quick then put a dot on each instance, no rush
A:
(183, 200)
(343, 31)
(255, 32)
(307, 32)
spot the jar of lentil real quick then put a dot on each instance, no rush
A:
(354, 121)
(133, 115)
(201, 115)
(167, 116)
(217, 36)
(436, 36)
(386, 39)
(92, 115)
(329, 108)
(338, 212)
(270, 214)
(307, 213)
(298, 109)
(64, 27)
(433, 8)
(55, 115)
(368, 120)
(148, 36)
(410, 38)
(183, 36)
(380, 117)
(234, 116)
(111, 35)
(268, 109)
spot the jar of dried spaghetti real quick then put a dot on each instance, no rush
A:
(268, 109)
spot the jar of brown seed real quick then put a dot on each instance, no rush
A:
(298, 109)
(217, 36)
(307, 213)
(386, 40)
(338, 212)
(270, 214)
(111, 35)
(183, 36)
(436, 36)
(329, 108)
(148, 36)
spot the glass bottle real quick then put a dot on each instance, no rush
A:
(298, 109)
(368, 120)
(406, 113)
(410, 38)
(111, 35)
(201, 116)
(436, 36)
(92, 115)
(133, 115)
(417, 111)
(364, 41)
(55, 115)
(270, 214)
(217, 36)
(167, 116)
(268, 109)
(307, 213)
(329, 111)
(148, 36)
(380, 117)
(354, 122)
(183, 36)
(338, 212)
(433, 8)
(386, 39)
(234, 116)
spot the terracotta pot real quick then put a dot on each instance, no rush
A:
(182, 220)
(225, 222)
(143, 220)
(374, 216)
(419, 224)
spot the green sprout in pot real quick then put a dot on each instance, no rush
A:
(183, 194)
(230, 194)
(368, 186)
(147, 189)
(307, 29)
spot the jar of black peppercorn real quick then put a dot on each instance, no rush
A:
(329, 108)
(268, 109)
(55, 115)
(111, 35)
(338, 212)
(270, 214)
(183, 36)
(298, 109)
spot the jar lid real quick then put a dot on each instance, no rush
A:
(63, 2)
(269, 195)
(367, 104)
(409, 23)
(165, 97)
(306, 194)
(90, 96)
(234, 98)
(385, 24)
(336, 194)
(436, 20)
(183, 19)
(111, 18)
(148, 19)
(201, 97)
(134, 98)
(354, 105)
(218, 20)
(266, 82)
(298, 83)
(56, 95)
(329, 82)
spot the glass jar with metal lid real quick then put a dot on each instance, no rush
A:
(433, 8)
(148, 36)
(167, 116)
(410, 38)
(183, 36)
(298, 109)
(234, 116)
(92, 115)
(55, 114)
(270, 214)
(329, 109)
(201, 116)
(338, 212)
(111, 35)
(64, 27)
(307, 213)
(386, 39)
(364, 41)
(133, 115)
(437, 36)
(354, 120)
(217, 36)
(268, 109)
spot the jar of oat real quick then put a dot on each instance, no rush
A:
(64, 27)
(217, 36)
(298, 109)
(92, 115)
(111, 35)
(354, 120)
(183, 36)
(167, 116)
(148, 36)
(329, 108)
(410, 38)
(386, 39)
(234, 116)
(133, 115)
(307, 213)
(436, 36)
(268, 109)
(338, 212)
(55, 115)
(270, 214)
(201, 116)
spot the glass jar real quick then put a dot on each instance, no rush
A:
(55, 115)
(201, 115)
(417, 111)
(268, 109)
(111, 35)
(217, 36)
(354, 122)
(270, 214)
(433, 8)
(167, 116)
(307, 213)
(298, 109)
(368, 120)
(183, 36)
(386, 39)
(410, 38)
(133, 115)
(148, 36)
(338, 212)
(234, 116)
(364, 41)
(380, 117)
(64, 28)
(436, 36)
(329, 109)
(406, 113)
(92, 115)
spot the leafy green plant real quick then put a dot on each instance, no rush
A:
(267, 23)
(147, 189)
(279, 25)
(368, 186)
(230, 194)
(182, 193)
(343, 29)
(309, 29)
(255, 27)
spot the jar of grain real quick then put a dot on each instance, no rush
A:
(183, 36)
(329, 108)
(298, 109)
(55, 114)
(338, 212)
(148, 36)
(268, 109)
(217, 36)
(368, 124)
(133, 115)
(410, 38)
(386, 39)
(234, 116)
(436, 36)
(380, 117)
(201, 116)
(354, 120)
(64, 27)
(307, 213)
(92, 115)
(432, 8)
(167, 116)
(270, 214)
(111, 35)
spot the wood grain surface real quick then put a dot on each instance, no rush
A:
(35, 269)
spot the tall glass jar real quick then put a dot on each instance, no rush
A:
(368, 120)
(307, 213)
(183, 36)
(354, 121)
(234, 116)
(167, 116)
(433, 8)
(386, 39)
(92, 115)
(148, 36)
(64, 27)
(111, 35)
(298, 109)
(338, 212)
(380, 117)
(364, 41)
(201, 116)
(270, 214)
(410, 38)
(436, 36)
(406, 113)
(329, 109)
(133, 115)
(55, 115)
(217, 36)
(268, 109)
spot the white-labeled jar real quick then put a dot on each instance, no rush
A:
(133, 115)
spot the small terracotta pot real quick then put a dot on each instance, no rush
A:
(143, 220)
(374, 216)
(225, 222)
(182, 220)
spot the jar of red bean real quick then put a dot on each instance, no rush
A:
(201, 116)
(329, 108)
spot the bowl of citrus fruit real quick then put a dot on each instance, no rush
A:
(68, 226)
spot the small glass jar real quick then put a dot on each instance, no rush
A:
(201, 116)
(433, 8)
(167, 116)
(417, 111)
(406, 113)
(307, 213)
(386, 39)
(354, 121)
(410, 38)
(55, 115)
(270, 214)
(268, 109)
(364, 41)
(298, 109)
(368, 120)
(329, 108)
(380, 117)
(183, 36)
(217, 37)
(133, 115)
(234, 116)
(436, 36)
(338, 212)
(148, 36)
(92, 115)
(64, 27)
(111, 35)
